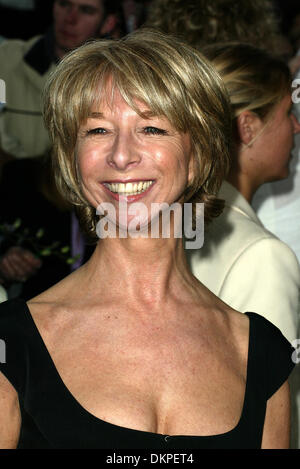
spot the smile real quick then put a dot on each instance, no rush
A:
(129, 188)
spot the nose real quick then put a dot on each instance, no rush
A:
(72, 14)
(124, 154)
(296, 124)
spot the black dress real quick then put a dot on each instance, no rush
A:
(53, 419)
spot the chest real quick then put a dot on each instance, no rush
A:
(164, 383)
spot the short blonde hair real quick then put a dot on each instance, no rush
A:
(171, 78)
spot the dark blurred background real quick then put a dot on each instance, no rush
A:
(25, 18)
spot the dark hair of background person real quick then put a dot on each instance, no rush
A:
(24, 24)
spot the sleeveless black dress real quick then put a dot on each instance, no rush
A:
(53, 419)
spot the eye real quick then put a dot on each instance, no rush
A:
(88, 10)
(98, 130)
(154, 131)
(63, 3)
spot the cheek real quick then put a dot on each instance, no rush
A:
(87, 158)
(89, 27)
(176, 156)
(287, 140)
(85, 167)
(80, 161)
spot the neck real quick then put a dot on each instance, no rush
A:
(243, 175)
(60, 52)
(139, 270)
(243, 185)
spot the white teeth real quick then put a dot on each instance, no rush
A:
(129, 188)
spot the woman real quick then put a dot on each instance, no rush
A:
(241, 262)
(131, 351)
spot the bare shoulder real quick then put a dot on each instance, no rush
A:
(239, 326)
(239, 323)
(62, 310)
(51, 310)
(228, 320)
(231, 325)
(235, 326)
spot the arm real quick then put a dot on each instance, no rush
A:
(18, 264)
(265, 278)
(276, 432)
(10, 416)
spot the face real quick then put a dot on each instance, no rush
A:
(276, 142)
(76, 21)
(123, 157)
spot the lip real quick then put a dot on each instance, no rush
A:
(68, 35)
(125, 181)
(127, 198)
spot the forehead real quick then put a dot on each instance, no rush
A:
(119, 108)
(111, 101)
(110, 90)
(82, 3)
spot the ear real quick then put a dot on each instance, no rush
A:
(109, 25)
(191, 170)
(248, 124)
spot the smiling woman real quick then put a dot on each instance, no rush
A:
(181, 91)
(130, 350)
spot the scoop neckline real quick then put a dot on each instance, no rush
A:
(98, 420)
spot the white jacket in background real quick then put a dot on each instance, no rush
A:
(3, 295)
(247, 266)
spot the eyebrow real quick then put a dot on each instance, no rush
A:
(148, 114)
(96, 115)
(145, 114)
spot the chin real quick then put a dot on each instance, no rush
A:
(283, 175)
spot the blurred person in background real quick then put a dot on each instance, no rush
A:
(278, 204)
(41, 238)
(229, 263)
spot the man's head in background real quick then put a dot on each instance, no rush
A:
(77, 21)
